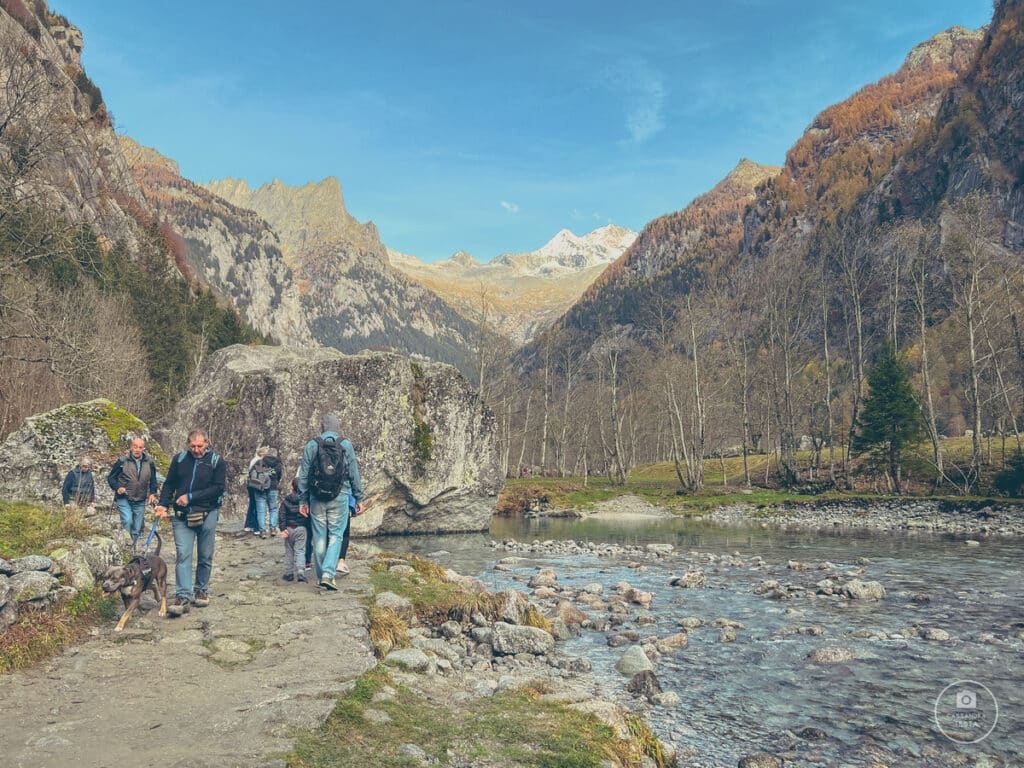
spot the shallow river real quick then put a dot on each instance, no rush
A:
(886, 706)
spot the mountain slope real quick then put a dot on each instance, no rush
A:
(352, 297)
(520, 294)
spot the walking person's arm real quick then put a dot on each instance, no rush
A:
(352, 472)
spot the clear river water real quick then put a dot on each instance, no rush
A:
(901, 701)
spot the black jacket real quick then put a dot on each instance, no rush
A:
(78, 487)
(202, 479)
(274, 465)
(290, 511)
(123, 475)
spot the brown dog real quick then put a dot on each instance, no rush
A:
(135, 577)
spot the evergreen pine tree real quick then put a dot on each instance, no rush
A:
(891, 418)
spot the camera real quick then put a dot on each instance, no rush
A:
(966, 699)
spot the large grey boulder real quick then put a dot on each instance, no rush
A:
(509, 639)
(38, 456)
(863, 590)
(425, 441)
(32, 585)
(634, 661)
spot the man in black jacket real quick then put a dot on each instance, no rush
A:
(133, 481)
(195, 484)
(79, 488)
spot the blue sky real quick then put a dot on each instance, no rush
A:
(487, 126)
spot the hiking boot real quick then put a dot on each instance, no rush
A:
(327, 582)
(202, 598)
(180, 605)
(289, 577)
(274, 531)
(301, 579)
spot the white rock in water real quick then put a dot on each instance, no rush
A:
(632, 661)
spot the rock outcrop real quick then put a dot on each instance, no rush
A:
(37, 456)
(425, 441)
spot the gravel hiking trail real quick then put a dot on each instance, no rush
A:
(226, 685)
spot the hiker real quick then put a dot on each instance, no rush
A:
(272, 463)
(134, 482)
(259, 481)
(328, 471)
(79, 488)
(250, 512)
(295, 532)
(195, 485)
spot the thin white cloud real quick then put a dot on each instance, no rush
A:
(510, 207)
(643, 93)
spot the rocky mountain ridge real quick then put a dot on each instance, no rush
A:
(520, 294)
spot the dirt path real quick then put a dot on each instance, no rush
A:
(224, 685)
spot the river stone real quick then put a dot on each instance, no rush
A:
(593, 588)
(544, 577)
(972, 543)
(634, 660)
(644, 684)
(30, 563)
(759, 760)
(32, 585)
(666, 699)
(74, 567)
(660, 549)
(560, 630)
(512, 606)
(568, 613)
(638, 596)
(451, 629)
(691, 622)
(689, 580)
(727, 635)
(510, 639)
(831, 654)
(387, 405)
(934, 633)
(412, 659)
(436, 646)
(673, 643)
(863, 590)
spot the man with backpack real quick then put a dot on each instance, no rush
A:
(133, 481)
(328, 471)
(195, 484)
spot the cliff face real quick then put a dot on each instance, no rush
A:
(353, 298)
(425, 442)
(57, 148)
(229, 249)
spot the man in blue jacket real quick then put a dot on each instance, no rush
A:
(195, 484)
(133, 481)
(328, 509)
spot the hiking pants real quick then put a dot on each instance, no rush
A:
(186, 540)
(329, 520)
(133, 514)
(295, 551)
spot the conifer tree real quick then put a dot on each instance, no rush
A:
(891, 418)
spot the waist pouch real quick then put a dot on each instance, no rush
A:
(194, 519)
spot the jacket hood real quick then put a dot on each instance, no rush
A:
(330, 423)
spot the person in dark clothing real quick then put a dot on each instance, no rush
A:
(79, 486)
(133, 481)
(295, 532)
(273, 463)
(195, 485)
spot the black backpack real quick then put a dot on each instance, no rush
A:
(260, 477)
(327, 474)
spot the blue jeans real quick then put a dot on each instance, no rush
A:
(329, 520)
(133, 514)
(250, 513)
(272, 503)
(260, 497)
(185, 540)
